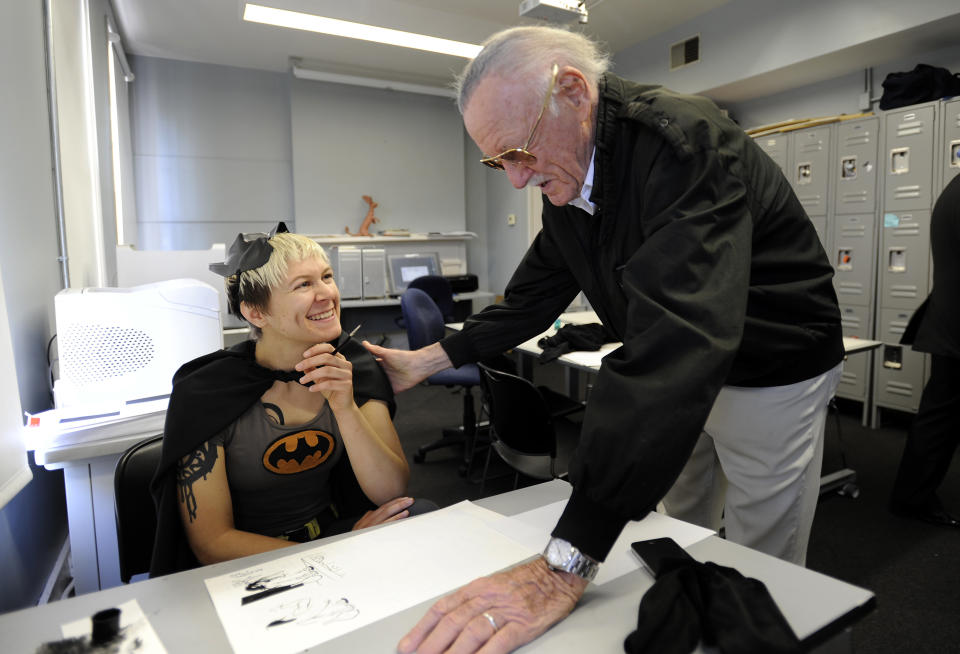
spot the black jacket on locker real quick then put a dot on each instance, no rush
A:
(935, 325)
(701, 260)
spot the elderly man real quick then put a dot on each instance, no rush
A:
(692, 248)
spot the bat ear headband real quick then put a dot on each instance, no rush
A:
(248, 251)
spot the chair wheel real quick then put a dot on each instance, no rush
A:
(462, 470)
(419, 457)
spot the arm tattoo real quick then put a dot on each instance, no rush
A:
(191, 469)
(273, 412)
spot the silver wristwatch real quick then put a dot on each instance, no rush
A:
(563, 556)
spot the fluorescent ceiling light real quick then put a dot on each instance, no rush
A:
(323, 76)
(313, 23)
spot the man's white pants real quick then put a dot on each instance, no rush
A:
(757, 466)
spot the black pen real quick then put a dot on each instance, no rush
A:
(349, 336)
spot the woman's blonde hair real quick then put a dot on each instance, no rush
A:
(255, 286)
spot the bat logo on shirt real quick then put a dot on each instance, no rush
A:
(298, 452)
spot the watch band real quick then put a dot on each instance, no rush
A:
(562, 556)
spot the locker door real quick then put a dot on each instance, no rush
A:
(808, 175)
(777, 146)
(904, 259)
(853, 259)
(899, 370)
(856, 174)
(908, 160)
(856, 370)
(951, 133)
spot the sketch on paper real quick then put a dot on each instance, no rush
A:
(301, 600)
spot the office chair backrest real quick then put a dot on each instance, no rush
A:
(135, 511)
(518, 412)
(438, 288)
(422, 317)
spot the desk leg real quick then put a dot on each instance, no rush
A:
(571, 378)
(842, 643)
(104, 514)
(94, 561)
(83, 537)
(524, 365)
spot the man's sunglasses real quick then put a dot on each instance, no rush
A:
(522, 155)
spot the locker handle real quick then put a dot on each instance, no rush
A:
(899, 161)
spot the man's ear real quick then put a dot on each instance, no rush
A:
(253, 315)
(573, 87)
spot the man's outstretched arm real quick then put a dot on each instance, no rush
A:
(407, 368)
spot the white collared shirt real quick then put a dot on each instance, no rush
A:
(583, 200)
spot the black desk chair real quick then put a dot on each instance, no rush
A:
(425, 326)
(438, 288)
(530, 425)
(135, 512)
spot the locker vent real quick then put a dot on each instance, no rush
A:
(685, 52)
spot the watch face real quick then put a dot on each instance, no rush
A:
(558, 552)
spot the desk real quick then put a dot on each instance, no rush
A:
(819, 609)
(88, 468)
(573, 362)
(576, 362)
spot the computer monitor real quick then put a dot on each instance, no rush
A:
(406, 267)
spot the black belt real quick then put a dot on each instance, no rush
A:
(313, 529)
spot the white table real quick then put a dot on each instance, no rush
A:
(88, 465)
(819, 609)
(589, 362)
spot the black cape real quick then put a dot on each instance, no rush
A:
(210, 393)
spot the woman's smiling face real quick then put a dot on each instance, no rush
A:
(306, 306)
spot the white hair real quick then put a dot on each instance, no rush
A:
(528, 53)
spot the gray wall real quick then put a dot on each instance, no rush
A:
(403, 149)
(835, 96)
(749, 43)
(219, 150)
(33, 524)
(211, 149)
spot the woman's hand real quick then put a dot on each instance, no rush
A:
(330, 373)
(395, 509)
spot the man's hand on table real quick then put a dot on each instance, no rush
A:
(523, 602)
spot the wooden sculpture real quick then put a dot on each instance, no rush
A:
(368, 221)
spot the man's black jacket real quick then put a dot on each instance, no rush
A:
(701, 260)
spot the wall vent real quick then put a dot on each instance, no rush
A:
(685, 52)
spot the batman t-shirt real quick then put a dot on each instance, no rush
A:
(279, 475)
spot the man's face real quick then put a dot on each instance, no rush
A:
(499, 116)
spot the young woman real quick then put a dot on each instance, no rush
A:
(264, 448)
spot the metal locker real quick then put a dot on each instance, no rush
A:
(904, 259)
(374, 273)
(899, 370)
(778, 147)
(951, 138)
(820, 224)
(348, 270)
(853, 258)
(856, 174)
(908, 158)
(855, 376)
(808, 173)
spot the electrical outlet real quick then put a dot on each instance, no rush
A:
(511, 219)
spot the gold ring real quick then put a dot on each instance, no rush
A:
(493, 623)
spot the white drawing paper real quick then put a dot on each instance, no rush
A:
(301, 600)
